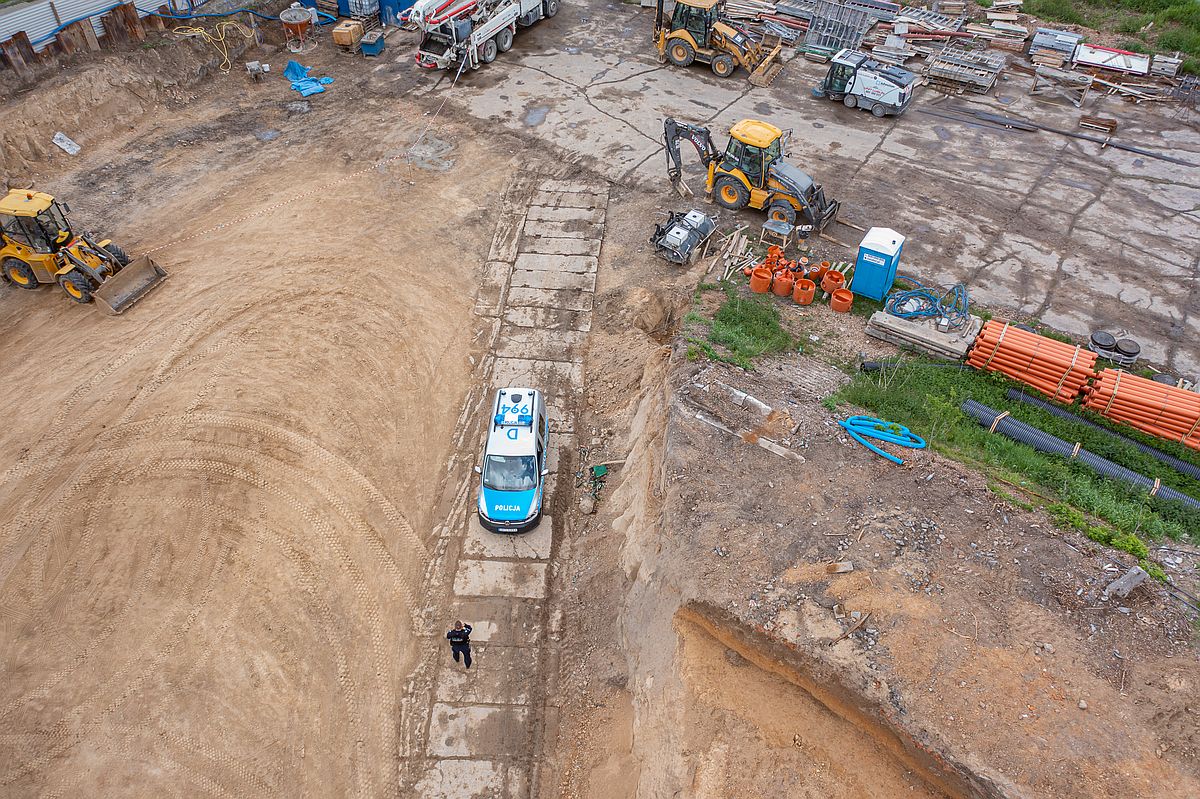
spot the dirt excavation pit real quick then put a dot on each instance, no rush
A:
(758, 724)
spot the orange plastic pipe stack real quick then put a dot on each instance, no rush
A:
(1160, 410)
(1055, 369)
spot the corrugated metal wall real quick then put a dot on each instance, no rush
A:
(37, 19)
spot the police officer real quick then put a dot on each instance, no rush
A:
(460, 642)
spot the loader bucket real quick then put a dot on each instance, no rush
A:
(769, 68)
(129, 285)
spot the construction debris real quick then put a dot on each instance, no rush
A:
(1053, 48)
(956, 69)
(1074, 86)
(1130, 580)
(1102, 124)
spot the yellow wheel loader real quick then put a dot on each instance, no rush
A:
(751, 172)
(38, 245)
(697, 32)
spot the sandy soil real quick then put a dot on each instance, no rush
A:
(216, 507)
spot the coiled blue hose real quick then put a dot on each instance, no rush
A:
(861, 428)
(924, 302)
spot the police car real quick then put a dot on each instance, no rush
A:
(512, 475)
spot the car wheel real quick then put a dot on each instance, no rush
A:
(850, 101)
(20, 274)
(731, 193)
(878, 110)
(680, 53)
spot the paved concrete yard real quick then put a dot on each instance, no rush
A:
(1048, 226)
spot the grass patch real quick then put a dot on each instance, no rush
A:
(1176, 23)
(742, 329)
(926, 398)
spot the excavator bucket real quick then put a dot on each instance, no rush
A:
(770, 67)
(129, 285)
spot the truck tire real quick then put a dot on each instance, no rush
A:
(20, 274)
(731, 193)
(680, 53)
(76, 286)
(550, 8)
(781, 211)
(118, 253)
(487, 51)
(723, 65)
(878, 110)
(504, 40)
(850, 101)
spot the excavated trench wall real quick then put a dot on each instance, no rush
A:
(664, 591)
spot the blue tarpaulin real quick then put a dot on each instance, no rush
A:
(301, 82)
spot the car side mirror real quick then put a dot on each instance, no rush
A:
(478, 470)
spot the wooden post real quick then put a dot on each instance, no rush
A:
(133, 23)
(14, 59)
(70, 40)
(89, 34)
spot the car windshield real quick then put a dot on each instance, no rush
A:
(510, 472)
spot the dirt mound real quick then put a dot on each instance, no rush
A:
(88, 104)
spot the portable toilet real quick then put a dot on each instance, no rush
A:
(878, 257)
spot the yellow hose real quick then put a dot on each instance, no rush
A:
(217, 38)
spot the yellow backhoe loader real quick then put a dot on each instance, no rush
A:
(751, 172)
(38, 245)
(696, 31)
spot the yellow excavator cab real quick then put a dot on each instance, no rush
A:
(755, 133)
(25, 203)
(38, 246)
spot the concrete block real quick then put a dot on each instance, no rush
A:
(541, 279)
(462, 779)
(500, 578)
(574, 229)
(548, 318)
(474, 731)
(548, 345)
(555, 378)
(548, 214)
(498, 620)
(570, 199)
(1130, 580)
(532, 244)
(556, 263)
(499, 675)
(571, 186)
(532, 545)
(550, 298)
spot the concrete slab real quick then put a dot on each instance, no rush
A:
(550, 298)
(538, 279)
(561, 199)
(546, 213)
(499, 620)
(499, 675)
(548, 318)
(500, 578)
(556, 263)
(474, 731)
(568, 186)
(574, 229)
(541, 345)
(462, 779)
(533, 545)
(495, 273)
(533, 244)
(553, 377)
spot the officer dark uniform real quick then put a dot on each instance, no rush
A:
(460, 642)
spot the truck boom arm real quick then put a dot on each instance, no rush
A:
(701, 139)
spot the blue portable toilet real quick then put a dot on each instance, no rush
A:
(878, 258)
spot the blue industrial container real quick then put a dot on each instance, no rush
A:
(391, 10)
(878, 258)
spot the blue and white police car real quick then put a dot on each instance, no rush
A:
(512, 475)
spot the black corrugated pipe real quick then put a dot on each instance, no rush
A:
(1183, 467)
(1001, 422)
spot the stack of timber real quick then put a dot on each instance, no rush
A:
(922, 335)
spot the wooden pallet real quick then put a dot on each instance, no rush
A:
(1102, 124)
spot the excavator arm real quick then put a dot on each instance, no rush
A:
(701, 139)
